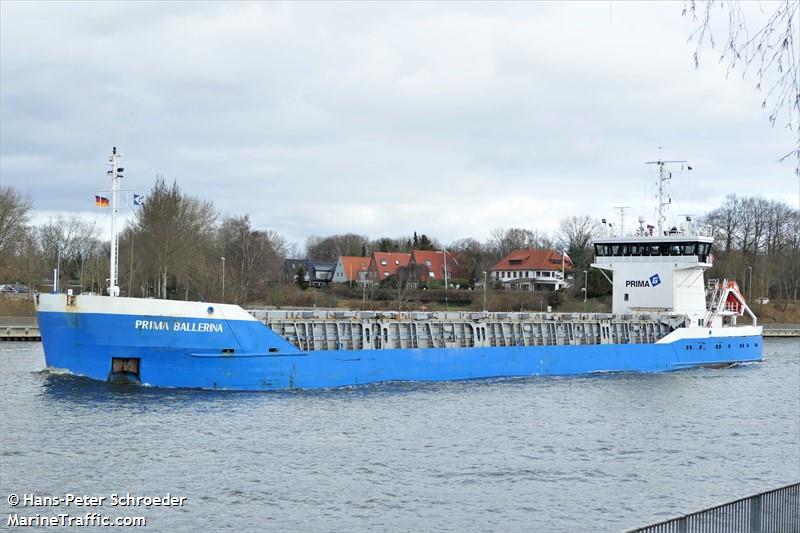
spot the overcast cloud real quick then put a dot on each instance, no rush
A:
(382, 119)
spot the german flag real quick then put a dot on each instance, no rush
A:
(100, 201)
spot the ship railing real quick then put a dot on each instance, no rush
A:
(772, 510)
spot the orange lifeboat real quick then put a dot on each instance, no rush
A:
(732, 303)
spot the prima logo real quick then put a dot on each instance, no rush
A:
(653, 281)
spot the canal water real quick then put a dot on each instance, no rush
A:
(600, 453)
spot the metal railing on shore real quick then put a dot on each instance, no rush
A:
(773, 511)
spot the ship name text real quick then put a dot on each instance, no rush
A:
(187, 327)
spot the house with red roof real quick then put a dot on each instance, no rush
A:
(429, 265)
(351, 269)
(533, 270)
(385, 264)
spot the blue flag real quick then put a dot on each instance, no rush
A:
(138, 200)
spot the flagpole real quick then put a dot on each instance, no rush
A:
(130, 276)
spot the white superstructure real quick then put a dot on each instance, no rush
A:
(657, 274)
(660, 270)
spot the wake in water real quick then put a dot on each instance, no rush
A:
(55, 372)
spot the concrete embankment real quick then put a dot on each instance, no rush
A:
(781, 330)
(19, 328)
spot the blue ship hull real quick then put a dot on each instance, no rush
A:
(219, 353)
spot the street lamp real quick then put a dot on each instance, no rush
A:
(585, 288)
(484, 291)
(444, 258)
(223, 277)
(750, 285)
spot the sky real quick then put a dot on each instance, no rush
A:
(449, 119)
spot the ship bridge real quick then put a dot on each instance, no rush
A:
(661, 274)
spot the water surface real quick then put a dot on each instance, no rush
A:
(599, 453)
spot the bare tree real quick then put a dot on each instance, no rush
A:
(575, 235)
(473, 256)
(71, 243)
(172, 227)
(332, 247)
(255, 256)
(14, 215)
(503, 241)
(724, 223)
(769, 50)
(758, 234)
(402, 282)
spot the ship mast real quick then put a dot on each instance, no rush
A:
(115, 172)
(663, 176)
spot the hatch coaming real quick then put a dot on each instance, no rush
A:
(313, 331)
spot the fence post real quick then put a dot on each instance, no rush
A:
(755, 514)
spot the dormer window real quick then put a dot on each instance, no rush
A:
(383, 262)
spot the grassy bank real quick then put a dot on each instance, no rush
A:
(16, 305)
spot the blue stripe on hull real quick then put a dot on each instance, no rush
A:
(85, 343)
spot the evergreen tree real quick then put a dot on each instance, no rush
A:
(425, 243)
(300, 278)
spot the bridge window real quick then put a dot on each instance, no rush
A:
(646, 249)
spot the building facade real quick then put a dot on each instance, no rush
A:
(533, 270)
(385, 264)
(351, 269)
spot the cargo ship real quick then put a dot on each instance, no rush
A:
(665, 317)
